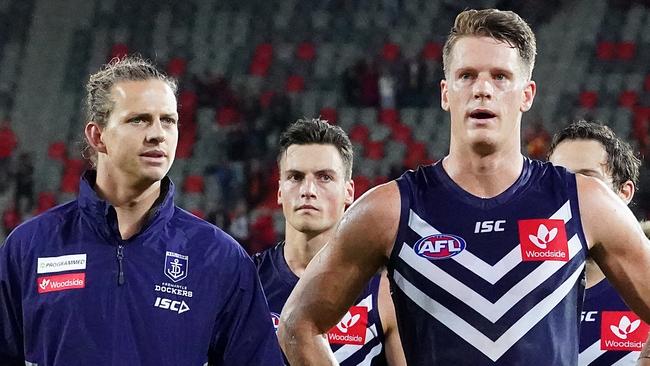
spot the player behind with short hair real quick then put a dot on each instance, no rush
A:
(485, 249)
(315, 186)
(121, 275)
(592, 149)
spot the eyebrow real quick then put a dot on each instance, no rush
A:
(149, 115)
(321, 171)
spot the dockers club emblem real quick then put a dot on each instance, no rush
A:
(176, 266)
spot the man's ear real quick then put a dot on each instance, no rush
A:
(444, 101)
(626, 192)
(94, 136)
(349, 192)
(529, 96)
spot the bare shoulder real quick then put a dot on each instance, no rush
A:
(599, 204)
(374, 217)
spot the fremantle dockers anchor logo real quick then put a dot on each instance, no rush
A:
(176, 266)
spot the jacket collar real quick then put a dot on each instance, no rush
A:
(103, 213)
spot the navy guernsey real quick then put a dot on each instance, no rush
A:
(357, 339)
(495, 281)
(180, 292)
(610, 333)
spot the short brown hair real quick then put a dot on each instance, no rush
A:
(503, 26)
(622, 164)
(98, 98)
(318, 131)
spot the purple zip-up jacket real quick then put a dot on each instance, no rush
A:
(180, 292)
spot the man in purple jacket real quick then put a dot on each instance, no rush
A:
(121, 276)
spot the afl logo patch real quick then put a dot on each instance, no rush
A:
(439, 246)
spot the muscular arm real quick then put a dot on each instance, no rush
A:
(336, 276)
(392, 341)
(617, 243)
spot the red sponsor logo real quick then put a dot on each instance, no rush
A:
(352, 328)
(622, 331)
(543, 240)
(61, 282)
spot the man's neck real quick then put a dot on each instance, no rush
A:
(131, 203)
(300, 248)
(484, 176)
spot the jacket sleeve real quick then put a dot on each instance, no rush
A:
(11, 330)
(244, 333)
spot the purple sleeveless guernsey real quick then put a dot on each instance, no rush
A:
(356, 340)
(495, 281)
(610, 333)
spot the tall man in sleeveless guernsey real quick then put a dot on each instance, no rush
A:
(315, 187)
(610, 334)
(485, 249)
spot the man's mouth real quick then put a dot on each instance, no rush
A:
(482, 114)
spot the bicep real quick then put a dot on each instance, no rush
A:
(617, 244)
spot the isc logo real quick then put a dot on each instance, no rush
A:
(439, 246)
(489, 226)
(173, 305)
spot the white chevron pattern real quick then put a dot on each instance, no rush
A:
(490, 273)
(492, 349)
(491, 311)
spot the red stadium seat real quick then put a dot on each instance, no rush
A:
(295, 84)
(70, 183)
(390, 52)
(646, 83)
(401, 133)
(374, 150)
(227, 116)
(46, 200)
(306, 51)
(628, 98)
(606, 50)
(176, 67)
(260, 68)
(361, 185)
(388, 116)
(432, 51)
(415, 155)
(359, 133)
(193, 184)
(119, 50)
(626, 51)
(264, 51)
(57, 151)
(266, 98)
(198, 213)
(329, 114)
(588, 99)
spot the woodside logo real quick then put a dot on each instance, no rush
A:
(61, 282)
(543, 240)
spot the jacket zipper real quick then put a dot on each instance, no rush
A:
(120, 274)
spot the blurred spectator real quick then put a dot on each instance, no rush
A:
(352, 83)
(8, 144)
(536, 140)
(24, 197)
(262, 235)
(10, 219)
(412, 84)
(239, 223)
(369, 86)
(387, 90)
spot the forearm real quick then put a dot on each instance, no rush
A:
(303, 347)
